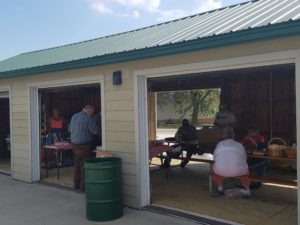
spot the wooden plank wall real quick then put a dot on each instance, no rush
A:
(21, 151)
(120, 130)
(71, 101)
(266, 100)
(262, 97)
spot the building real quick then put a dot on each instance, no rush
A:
(256, 37)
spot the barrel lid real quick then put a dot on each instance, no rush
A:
(103, 160)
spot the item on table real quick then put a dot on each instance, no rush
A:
(291, 152)
(249, 151)
(102, 153)
(276, 150)
(258, 153)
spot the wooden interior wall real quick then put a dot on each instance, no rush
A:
(4, 123)
(284, 104)
(71, 101)
(265, 100)
(262, 97)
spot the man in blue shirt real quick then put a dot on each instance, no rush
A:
(82, 129)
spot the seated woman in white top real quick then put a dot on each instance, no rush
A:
(230, 158)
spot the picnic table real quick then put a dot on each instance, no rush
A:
(158, 150)
(211, 162)
(57, 149)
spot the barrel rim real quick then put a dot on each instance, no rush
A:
(103, 160)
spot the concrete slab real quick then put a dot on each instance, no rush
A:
(36, 204)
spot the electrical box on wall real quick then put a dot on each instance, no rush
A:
(117, 78)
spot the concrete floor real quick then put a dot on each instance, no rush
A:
(5, 165)
(66, 176)
(35, 204)
(187, 189)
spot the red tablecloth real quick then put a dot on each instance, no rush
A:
(59, 146)
(156, 150)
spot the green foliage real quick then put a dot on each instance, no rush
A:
(192, 103)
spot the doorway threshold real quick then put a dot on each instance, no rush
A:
(58, 186)
(194, 217)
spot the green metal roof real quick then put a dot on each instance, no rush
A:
(245, 22)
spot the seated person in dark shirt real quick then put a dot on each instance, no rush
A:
(255, 141)
(186, 136)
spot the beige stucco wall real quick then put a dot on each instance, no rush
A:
(119, 105)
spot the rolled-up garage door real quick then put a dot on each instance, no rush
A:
(4, 94)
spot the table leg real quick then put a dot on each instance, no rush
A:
(210, 183)
(210, 178)
(62, 157)
(46, 162)
(57, 162)
(161, 160)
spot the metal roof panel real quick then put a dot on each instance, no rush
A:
(240, 17)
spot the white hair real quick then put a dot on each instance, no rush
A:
(228, 133)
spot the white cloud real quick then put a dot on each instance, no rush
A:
(100, 7)
(208, 5)
(135, 14)
(132, 8)
(150, 5)
(166, 15)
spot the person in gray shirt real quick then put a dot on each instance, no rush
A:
(82, 129)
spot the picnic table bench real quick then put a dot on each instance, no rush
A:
(251, 178)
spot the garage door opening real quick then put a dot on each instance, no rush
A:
(56, 107)
(5, 153)
(262, 97)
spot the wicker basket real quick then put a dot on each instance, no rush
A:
(277, 150)
(290, 152)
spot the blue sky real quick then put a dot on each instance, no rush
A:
(34, 24)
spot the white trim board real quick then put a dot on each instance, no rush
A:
(33, 109)
(5, 88)
(297, 80)
(141, 122)
(68, 82)
(276, 58)
(259, 60)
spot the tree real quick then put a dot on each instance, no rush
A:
(192, 103)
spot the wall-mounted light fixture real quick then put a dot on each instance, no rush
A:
(117, 77)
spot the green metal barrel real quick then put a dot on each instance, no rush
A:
(103, 186)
